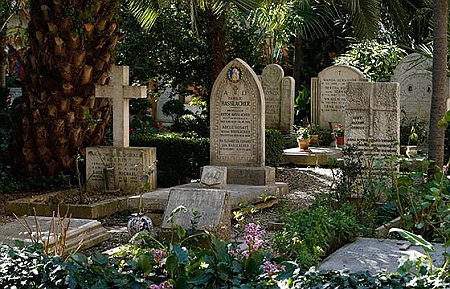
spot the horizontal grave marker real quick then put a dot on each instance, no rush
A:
(212, 205)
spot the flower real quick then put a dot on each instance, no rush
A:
(163, 285)
(254, 237)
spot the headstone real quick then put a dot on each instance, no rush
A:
(328, 94)
(414, 75)
(212, 205)
(279, 92)
(214, 177)
(237, 126)
(373, 117)
(129, 163)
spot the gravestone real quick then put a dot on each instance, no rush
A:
(213, 206)
(214, 177)
(237, 136)
(129, 163)
(279, 93)
(373, 117)
(414, 75)
(328, 94)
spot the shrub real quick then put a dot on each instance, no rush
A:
(310, 235)
(179, 156)
(274, 147)
(191, 123)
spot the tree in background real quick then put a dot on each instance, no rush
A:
(71, 45)
(439, 82)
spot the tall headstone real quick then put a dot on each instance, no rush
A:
(237, 126)
(131, 164)
(328, 94)
(279, 92)
(373, 117)
(414, 75)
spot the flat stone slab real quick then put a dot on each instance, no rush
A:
(88, 233)
(369, 254)
(240, 196)
(318, 156)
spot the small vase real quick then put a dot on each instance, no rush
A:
(138, 223)
(411, 151)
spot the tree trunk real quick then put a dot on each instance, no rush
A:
(437, 134)
(216, 37)
(70, 51)
(298, 61)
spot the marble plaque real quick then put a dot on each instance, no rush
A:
(131, 165)
(214, 177)
(212, 205)
(237, 117)
(279, 98)
(328, 94)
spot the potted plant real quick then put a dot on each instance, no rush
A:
(339, 134)
(411, 148)
(314, 133)
(303, 137)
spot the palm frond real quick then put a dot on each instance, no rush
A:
(145, 11)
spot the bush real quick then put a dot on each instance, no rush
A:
(310, 235)
(180, 156)
(191, 123)
(274, 147)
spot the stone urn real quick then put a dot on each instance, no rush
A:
(411, 151)
(138, 223)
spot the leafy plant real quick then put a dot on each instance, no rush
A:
(274, 147)
(377, 61)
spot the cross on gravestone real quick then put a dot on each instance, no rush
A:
(120, 91)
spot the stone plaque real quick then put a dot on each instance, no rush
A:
(213, 206)
(414, 75)
(279, 98)
(328, 94)
(373, 117)
(130, 165)
(237, 117)
(214, 177)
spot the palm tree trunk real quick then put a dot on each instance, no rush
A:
(436, 134)
(70, 51)
(216, 35)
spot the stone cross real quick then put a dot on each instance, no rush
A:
(120, 92)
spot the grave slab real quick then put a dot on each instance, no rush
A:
(369, 254)
(319, 156)
(213, 207)
(88, 232)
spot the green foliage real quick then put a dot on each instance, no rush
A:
(376, 61)
(274, 147)
(173, 108)
(421, 198)
(410, 126)
(191, 123)
(179, 156)
(309, 235)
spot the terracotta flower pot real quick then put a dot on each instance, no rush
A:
(303, 143)
(314, 139)
(340, 140)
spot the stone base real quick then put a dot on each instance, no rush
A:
(133, 168)
(255, 176)
(88, 233)
(317, 156)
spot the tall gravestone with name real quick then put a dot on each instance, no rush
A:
(237, 126)
(279, 93)
(328, 94)
(373, 117)
(131, 165)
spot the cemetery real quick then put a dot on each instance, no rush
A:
(224, 145)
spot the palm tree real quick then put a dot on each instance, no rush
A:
(439, 80)
(70, 51)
